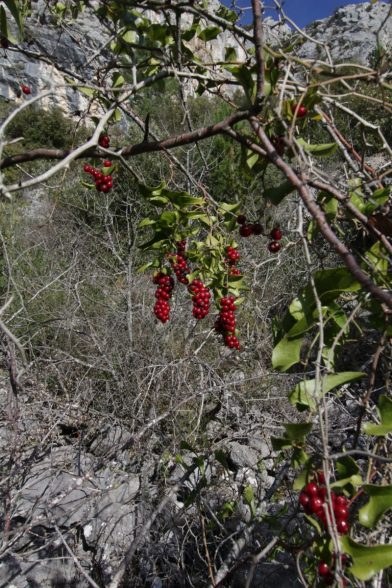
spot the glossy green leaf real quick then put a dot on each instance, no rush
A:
(278, 193)
(367, 561)
(379, 503)
(304, 394)
(286, 353)
(378, 198)
(322, 150)
(146, 222)
(384, 409)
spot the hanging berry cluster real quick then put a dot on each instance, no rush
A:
(232, 258)
(225, 323)
(201, 299)
(163, 294)
(313, 498)
(103, 183)
(179, 263)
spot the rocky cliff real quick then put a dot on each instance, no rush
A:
(350, 33)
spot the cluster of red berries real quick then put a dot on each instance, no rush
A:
(201, 299)
(232, 257)
(313, 497)
(163, 294)
(104, 141)
(246, 228)
(25, 89)
(179, 263)
(102, 183)
(299, 111)
(275, 235)
(225, 323)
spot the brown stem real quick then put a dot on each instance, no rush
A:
(317, 213)
(138, 148)
(259, 42)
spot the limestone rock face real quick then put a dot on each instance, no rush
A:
(351, 33)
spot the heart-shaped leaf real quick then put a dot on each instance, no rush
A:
(367, 561)
(380, 501)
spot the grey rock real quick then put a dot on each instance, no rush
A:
(350, 33)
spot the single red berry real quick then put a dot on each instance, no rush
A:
(107, 163)
(246, 230)
(322, 492)
(87, 168)
(342, 526)
(323, 568)
(316, 504)
(320, 474)
(311, 488)
(304, 499)
(276, 235)
(257, 229)
(25, 89)
(341, 513)
(241, 219)
(274, 246)
(299, 111)
(341, 501)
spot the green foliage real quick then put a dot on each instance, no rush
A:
(44, 128)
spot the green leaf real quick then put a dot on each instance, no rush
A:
(209, 33)
(380, 502)
(304, 394)
(286, 353)
(146, 222)
(14, 10)
(90, 92)
(347, 472)
(384, 409)
(278, 193)
(321, 150)
(145, 267)
(118, 80)
(230, 54)
(367, 561)
(298, 431)
(130, 36)
(378, 198)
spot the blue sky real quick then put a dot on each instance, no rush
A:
(302, 12)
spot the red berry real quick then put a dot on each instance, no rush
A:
(323, 568)
(304, 499)
(311, 488)
(274, 246)
(107, 163)
(87, 168)
(246, 230)
(341, 513)
(299, 111)
(341, 501)
(276, 235)
(316, 504)
(342, 526)
(241, 219)
(257, 229)
(320, 474)
(25, 89)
